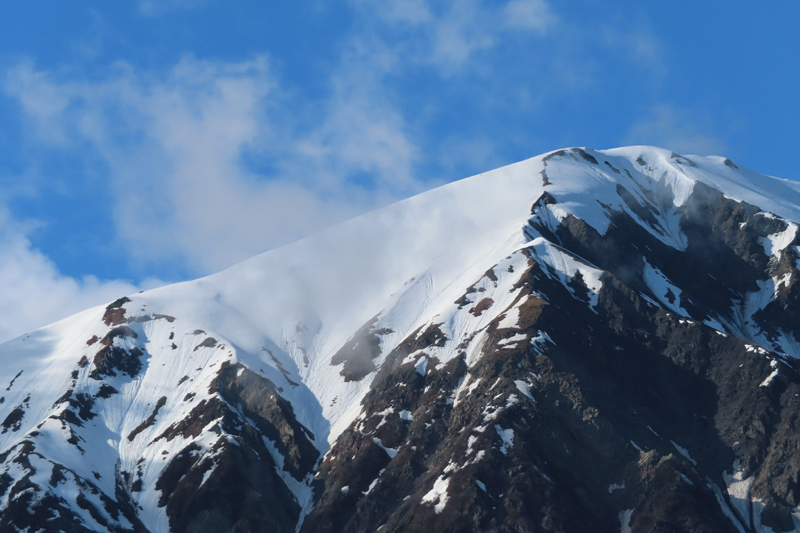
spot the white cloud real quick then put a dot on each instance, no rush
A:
(361, 130)
(638, 44)
(677, 130)
(449, 34)
(529, 15)
(42, 103)
(177, 147)
(459, 33)
(33, 293)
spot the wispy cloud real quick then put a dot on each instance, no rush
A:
(33, 292)
(677, 129)
(637, 43)
(449, 34)
(208, 162)
(533, 15)
(211, 161)
(187, 150)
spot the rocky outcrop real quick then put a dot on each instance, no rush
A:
(625, 414)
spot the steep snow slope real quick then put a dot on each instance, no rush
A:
(308, 298)
(310, 323)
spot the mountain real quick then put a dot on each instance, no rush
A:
(583, 341)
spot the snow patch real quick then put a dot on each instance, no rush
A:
(511, 342)
(421, 366)
(510, 319)
(539, 340)
(470, 441)
(437, 495)
(545, 476)
(507, 436)
(374, 483)
(616, 486)
(667, 292)
(524, 388)
(625, 521)
(563, 266)
(739, 490)
(649, 300)
(768, 380)
(727, 511)
(391, 452)
(684, 452)
(777, 242)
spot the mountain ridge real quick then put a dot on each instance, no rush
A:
(296, 356)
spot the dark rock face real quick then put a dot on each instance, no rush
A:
(115, 312)
(628, 414)
(13, 419)
(111, 359)
(258, 399)
(358, 353)
(150, 419)
(209, 342)
(236, 486)
(118, 332)
(232, 484)
(242, 492)
(33, 509)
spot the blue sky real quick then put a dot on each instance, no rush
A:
(148, 141)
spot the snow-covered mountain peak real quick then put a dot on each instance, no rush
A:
(305, 300)
(144, 404)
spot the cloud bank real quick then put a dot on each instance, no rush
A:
(35, 293)
(207, 168)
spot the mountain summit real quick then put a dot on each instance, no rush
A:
(583, 341)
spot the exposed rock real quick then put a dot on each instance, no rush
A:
(481, 306)
(272, 414)
(121, 332)
(208, 342)
(106, 391)
(13, 420)
(111, 359)
(358, 352)
(150, 419)
(242, 492)
(35, 508)
(13, 380)
(115, 313)
(628, 394)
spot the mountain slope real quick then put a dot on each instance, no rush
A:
(586, 340)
